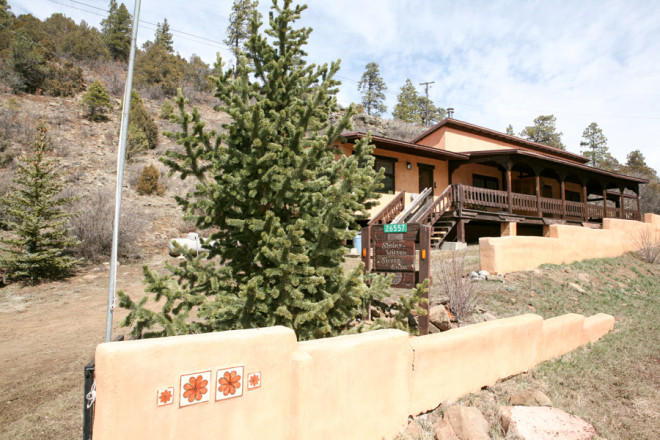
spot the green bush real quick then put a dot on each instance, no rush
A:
(96, 102)
(148, 182)
(142, 129)
(166, 110)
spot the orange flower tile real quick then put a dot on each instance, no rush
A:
(165, 396)
(194, 388)
(229, 383)
(254, 380)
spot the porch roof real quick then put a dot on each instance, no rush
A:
(405, 147)
(579, 169)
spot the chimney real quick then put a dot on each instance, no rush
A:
(450, 113)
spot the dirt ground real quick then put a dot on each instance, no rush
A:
(47, 335)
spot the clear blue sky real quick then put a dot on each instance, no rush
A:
(496, 62)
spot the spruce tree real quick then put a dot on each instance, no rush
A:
(163, 36)
(34, 204)
(373, 90)
(116, 30)
(277, 196)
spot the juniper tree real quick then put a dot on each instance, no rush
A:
(276, 195)
(96, 102)
(37, 249)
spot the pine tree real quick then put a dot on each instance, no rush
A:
(373, 90)
(38, 248)
(163, 36)
(238, 30)
(277, 196)
(596, 144)
(407, 106)
(544, 131)
(116, 29)
(509, 130)
(96, 102)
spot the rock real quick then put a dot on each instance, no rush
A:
(468, 423)
(583, 277)
(433, 329)
(413, 430)
(499, 278)
(530, 398)
(483, 273)
(473, 274)
(543, 423)
(488, 317)
(444, 431)
(576, 287)
(439, 317)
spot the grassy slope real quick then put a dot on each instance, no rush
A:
(613, 383)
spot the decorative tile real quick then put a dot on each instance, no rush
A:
(229, 383)
(254, 380)
(194, 388)
(165, 396)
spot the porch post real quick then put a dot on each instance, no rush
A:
(604, 203)
(508, 189)
(460, 231)
(585, 214)
(562, 189)
(538, 195)
(639, 208)
(622, 209)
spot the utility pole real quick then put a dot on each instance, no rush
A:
(426, 115)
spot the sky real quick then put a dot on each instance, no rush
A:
(496, 62)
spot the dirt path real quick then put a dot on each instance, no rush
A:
(47, 335)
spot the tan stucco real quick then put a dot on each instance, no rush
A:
(360, 386)
(565, 244)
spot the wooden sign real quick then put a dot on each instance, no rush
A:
(401, 280)
(395, 255)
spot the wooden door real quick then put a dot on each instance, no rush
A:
(425, 178)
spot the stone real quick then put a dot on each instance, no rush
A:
(468, 423)
(452, 246)
(576, 287)
(543, 423)
(499, 278)
(473, 274)
(413, 430)
(530, 398)
(444, 431)
(488, 317)
(583, 277)
(439, 317)
(483, 273)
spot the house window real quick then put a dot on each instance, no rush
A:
(388, 179)
(572, 196)
(487, 182)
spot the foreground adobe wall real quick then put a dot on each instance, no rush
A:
(262, 383)
(565, 244)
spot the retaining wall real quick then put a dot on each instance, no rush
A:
(565, 244)
(262, 383)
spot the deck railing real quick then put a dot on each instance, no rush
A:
(482, 199)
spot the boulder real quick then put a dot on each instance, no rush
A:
(444, 431)
(530, 398)
(468, 423)
(439, 317)
(543, 423)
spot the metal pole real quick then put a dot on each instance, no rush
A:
(121, 157)
(426, 84)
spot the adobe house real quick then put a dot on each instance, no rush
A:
(476, 182)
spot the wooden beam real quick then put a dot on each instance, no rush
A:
(585, 214)
(622, 210)
(639, 208)
(538, 195)
(508, 190)
(604, 203)
(425, 273)
(460, 231)
(562, 189)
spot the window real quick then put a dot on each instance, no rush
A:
(487, 182)
(572, 196)
(388, 179)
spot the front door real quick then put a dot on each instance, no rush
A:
(425, 178)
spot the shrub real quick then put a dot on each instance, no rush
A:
(96, 102)
(148, 182)
(453, 280)
(65, 80)
(166, 110)
(142, 129)
(136, 141)
(647, 243)
(92, 225)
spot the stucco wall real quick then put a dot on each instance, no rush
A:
(350, 387)
(565, 244)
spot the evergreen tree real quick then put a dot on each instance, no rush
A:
(649, 194)
(157, 67)
(163, 36)
(596, 144)
(238, 30)
(276, 194)
(544, 131)
(373, 90)
(509, 130)
(96, 102)
(142, 129)
(38, 248)
(412, 107)
(116, 29)
(407, 106)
